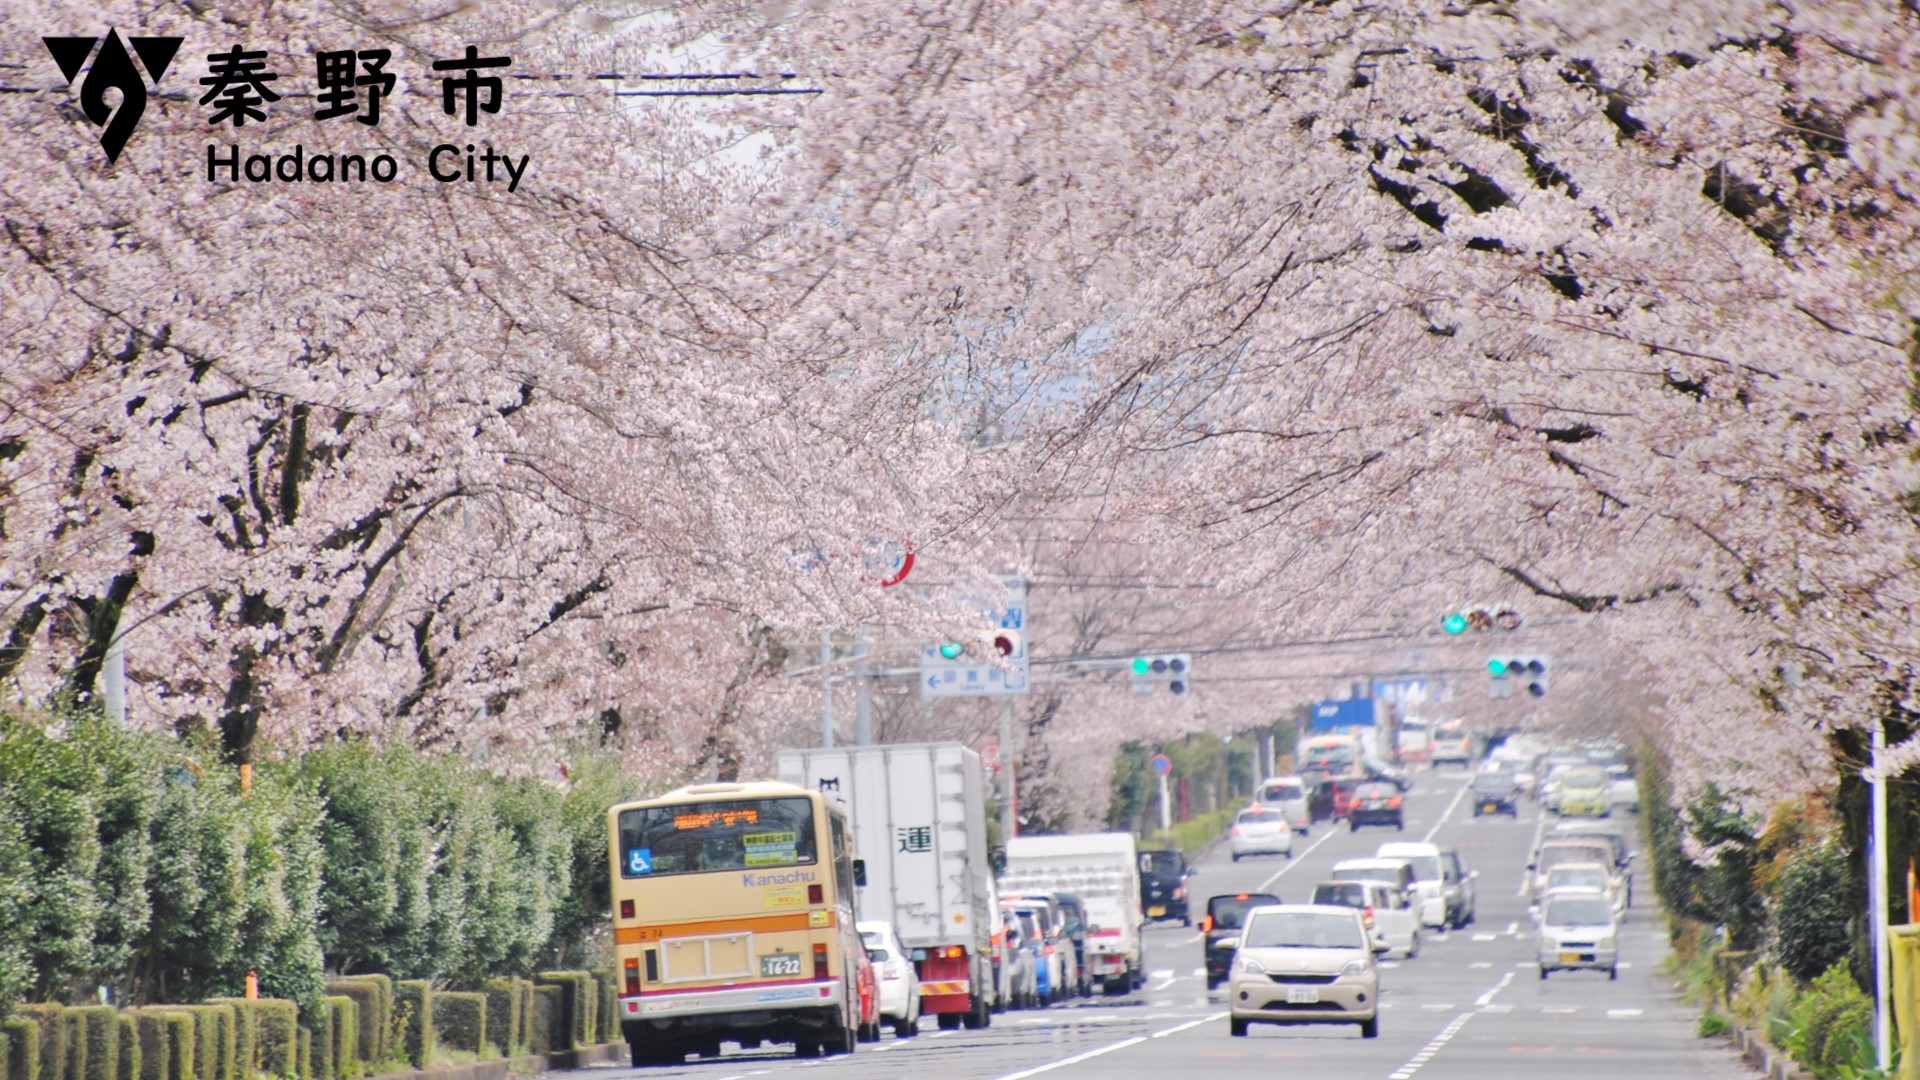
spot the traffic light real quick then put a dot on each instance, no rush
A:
(1170, 670)
(1481, 618)
(1008, 643)
(952, 650)
(1454, 623)
(1527, 671)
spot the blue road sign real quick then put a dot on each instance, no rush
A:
(1162, 764)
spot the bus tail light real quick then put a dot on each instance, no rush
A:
(626, 909)
(820, 960)
(815, 894)
(633, 975)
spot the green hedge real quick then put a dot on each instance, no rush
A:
(150, 1031)
(99, 1028)
(372, 996)
(609, 1005)
(130, 1058)
(460, 1020)
(579, 1001)
(336, 1041)
(503, 1013)
(413, 1011)
(23, 1049)
(179, 1045)
(544, 1034)
(52, 1029)
(526, 1014)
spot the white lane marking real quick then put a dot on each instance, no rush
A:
(1178, 1028)
(1526, 876)
(1195, 939)
(1487, 998)
(939, 1034)
(1295, 861)
(1198, 973)
(1437, 1006)
(1498, 1009)
(1625, 964)
(1447, 813)
(1524, 964)
(1074, 1060)
(1389, 964)
(1622, 1014)
(1487, 937)
(1561, 1010)
(1513, 928)
(1170, 980)
(1480, 964)
(1428, 1051)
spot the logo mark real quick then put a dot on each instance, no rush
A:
(113, 69)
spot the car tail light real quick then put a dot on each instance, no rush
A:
(633, 975)
(1049, 949)
(820, 961)
(626, 909)
(1235, 831)
(1206, 923)
(815, 894)
(1394, 802)
(1179, 892)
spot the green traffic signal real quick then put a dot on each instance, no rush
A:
(1455, 623)
(952, 650)
(1141, 665)
(1497, 667)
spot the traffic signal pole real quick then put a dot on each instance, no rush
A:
(1009, 792)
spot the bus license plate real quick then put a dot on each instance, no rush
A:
(1156, 911)
(780, 964)
(1303, 995)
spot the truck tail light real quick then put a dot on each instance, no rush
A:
(1206, 923)
(950, 952)
(815, 894)
(820, 960)
(626, 909)
(633, 975)
(1366, 916)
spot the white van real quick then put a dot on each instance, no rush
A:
(1428, 875)
(1383, 907)
(1288, 795)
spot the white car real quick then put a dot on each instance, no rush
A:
(1429, 878)
(1260, 831)
(1383, 909)
(1287, 794)
(894, 972)
(1597, 877)
(1579, 929)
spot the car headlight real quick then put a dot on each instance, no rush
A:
(1251, 966)
(1354, 967)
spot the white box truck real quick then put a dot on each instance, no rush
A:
(1103, 870)
(919, 819)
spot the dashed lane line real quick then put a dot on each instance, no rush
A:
(1427, 1052)
(1295, 860)
(1098, 1051)
(1447, 813)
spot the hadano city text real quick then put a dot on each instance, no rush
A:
(448, 163)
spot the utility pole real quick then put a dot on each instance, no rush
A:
(826, 692)
(1877, 852)
(1009, 787)
(862, 693)
(113, 679)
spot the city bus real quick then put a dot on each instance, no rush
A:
(733, 918)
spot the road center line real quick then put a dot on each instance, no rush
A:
(1448, 812)
(1428, 1051)
(1526, 876)
(1295, 861)
(1487, 998)
(1074, 1060)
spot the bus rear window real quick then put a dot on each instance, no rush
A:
(736, 834)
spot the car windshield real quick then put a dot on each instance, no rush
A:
(1585, 877)
(1256, 817)
(1375, 791)
(1303, 930)
(1578, 911)
(1425, 867)
(1553, 855)
(1342, 893)
(1584, 778)
(1492, 784)
(1162, 864)
(1285, 789)
(876, 944)
(1230, 912)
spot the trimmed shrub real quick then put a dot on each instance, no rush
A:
(177, 1054)
(130, 1058)
(526, 1015)
(278, 1040)
(6, 1040)
(304, 1054)
(76, 1044)
(1813, 913)
(413, 1019)
(343, 1034)
(245, 1024)
(543, 1035)
(100, 1029)
(608, 1006)
(503, 1014)
(215, 1046)
(578, 997)
(23, 1048)
(460, 1020)
(150, 1032)
(53, 1039)
(372, 996)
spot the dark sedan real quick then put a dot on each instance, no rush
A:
(1376, 804)
(1221, 927)
(1495, 793)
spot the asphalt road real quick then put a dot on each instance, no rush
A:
(1471, 1005)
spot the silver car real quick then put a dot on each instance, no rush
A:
(1260, 831)
(1579, 929)
(1305, 964)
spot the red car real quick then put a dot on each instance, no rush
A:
(869, 1001)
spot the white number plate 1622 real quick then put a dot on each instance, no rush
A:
(780, 964)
